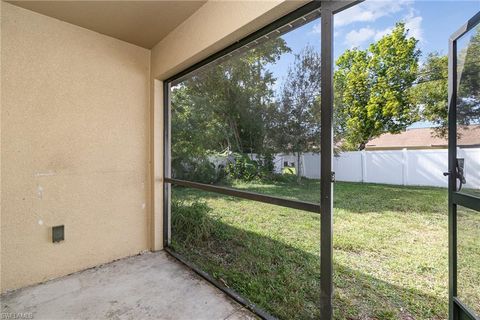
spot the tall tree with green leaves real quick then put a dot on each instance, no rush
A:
(231, 99)
(223, 107)
(297, 122)
(468, 73)
(430, 92)
(373, 84)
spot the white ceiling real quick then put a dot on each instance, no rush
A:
(143, 23)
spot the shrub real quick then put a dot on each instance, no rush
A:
(245, 169)
(199, 170)
(204, 171)
(190, 222)
(267, 166)
(283, 178)
(242, 168)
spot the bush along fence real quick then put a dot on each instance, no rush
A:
(400, 167)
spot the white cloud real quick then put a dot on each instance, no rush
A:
(355, 38)
(413, 23)
(414, 26)
(380, 33)
(370, 11)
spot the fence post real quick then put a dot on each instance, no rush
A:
(460, 153)
(303, 173)
(405, 166)
(364, 165)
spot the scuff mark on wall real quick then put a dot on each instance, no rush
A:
(40, 192)
(45, 174)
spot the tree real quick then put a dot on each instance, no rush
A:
(468, 73)
(231, 98)
(373, 84)
(297, 116)
(431, 89)
(189, 120)
(430, 93)
(223, 107)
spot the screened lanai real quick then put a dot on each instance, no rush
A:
(240, 160)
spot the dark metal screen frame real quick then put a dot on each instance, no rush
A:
(457, 309)
(295, 204)
(328, 9)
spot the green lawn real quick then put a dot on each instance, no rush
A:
(390, 249)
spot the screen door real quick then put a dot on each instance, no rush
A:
(463, 189)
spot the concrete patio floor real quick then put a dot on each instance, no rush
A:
(147, 286)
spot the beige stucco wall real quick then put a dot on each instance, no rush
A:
(74, 147)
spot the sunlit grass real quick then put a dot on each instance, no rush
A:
(390, 249)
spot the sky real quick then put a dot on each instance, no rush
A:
(430, 22)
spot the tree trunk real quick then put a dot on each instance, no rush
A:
(299, 167)
(236, 135)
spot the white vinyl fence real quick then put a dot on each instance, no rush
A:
(401, 167)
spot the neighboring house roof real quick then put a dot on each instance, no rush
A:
(425, 138)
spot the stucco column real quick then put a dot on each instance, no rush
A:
(156, 166)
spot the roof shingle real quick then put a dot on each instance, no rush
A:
(424, 138)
